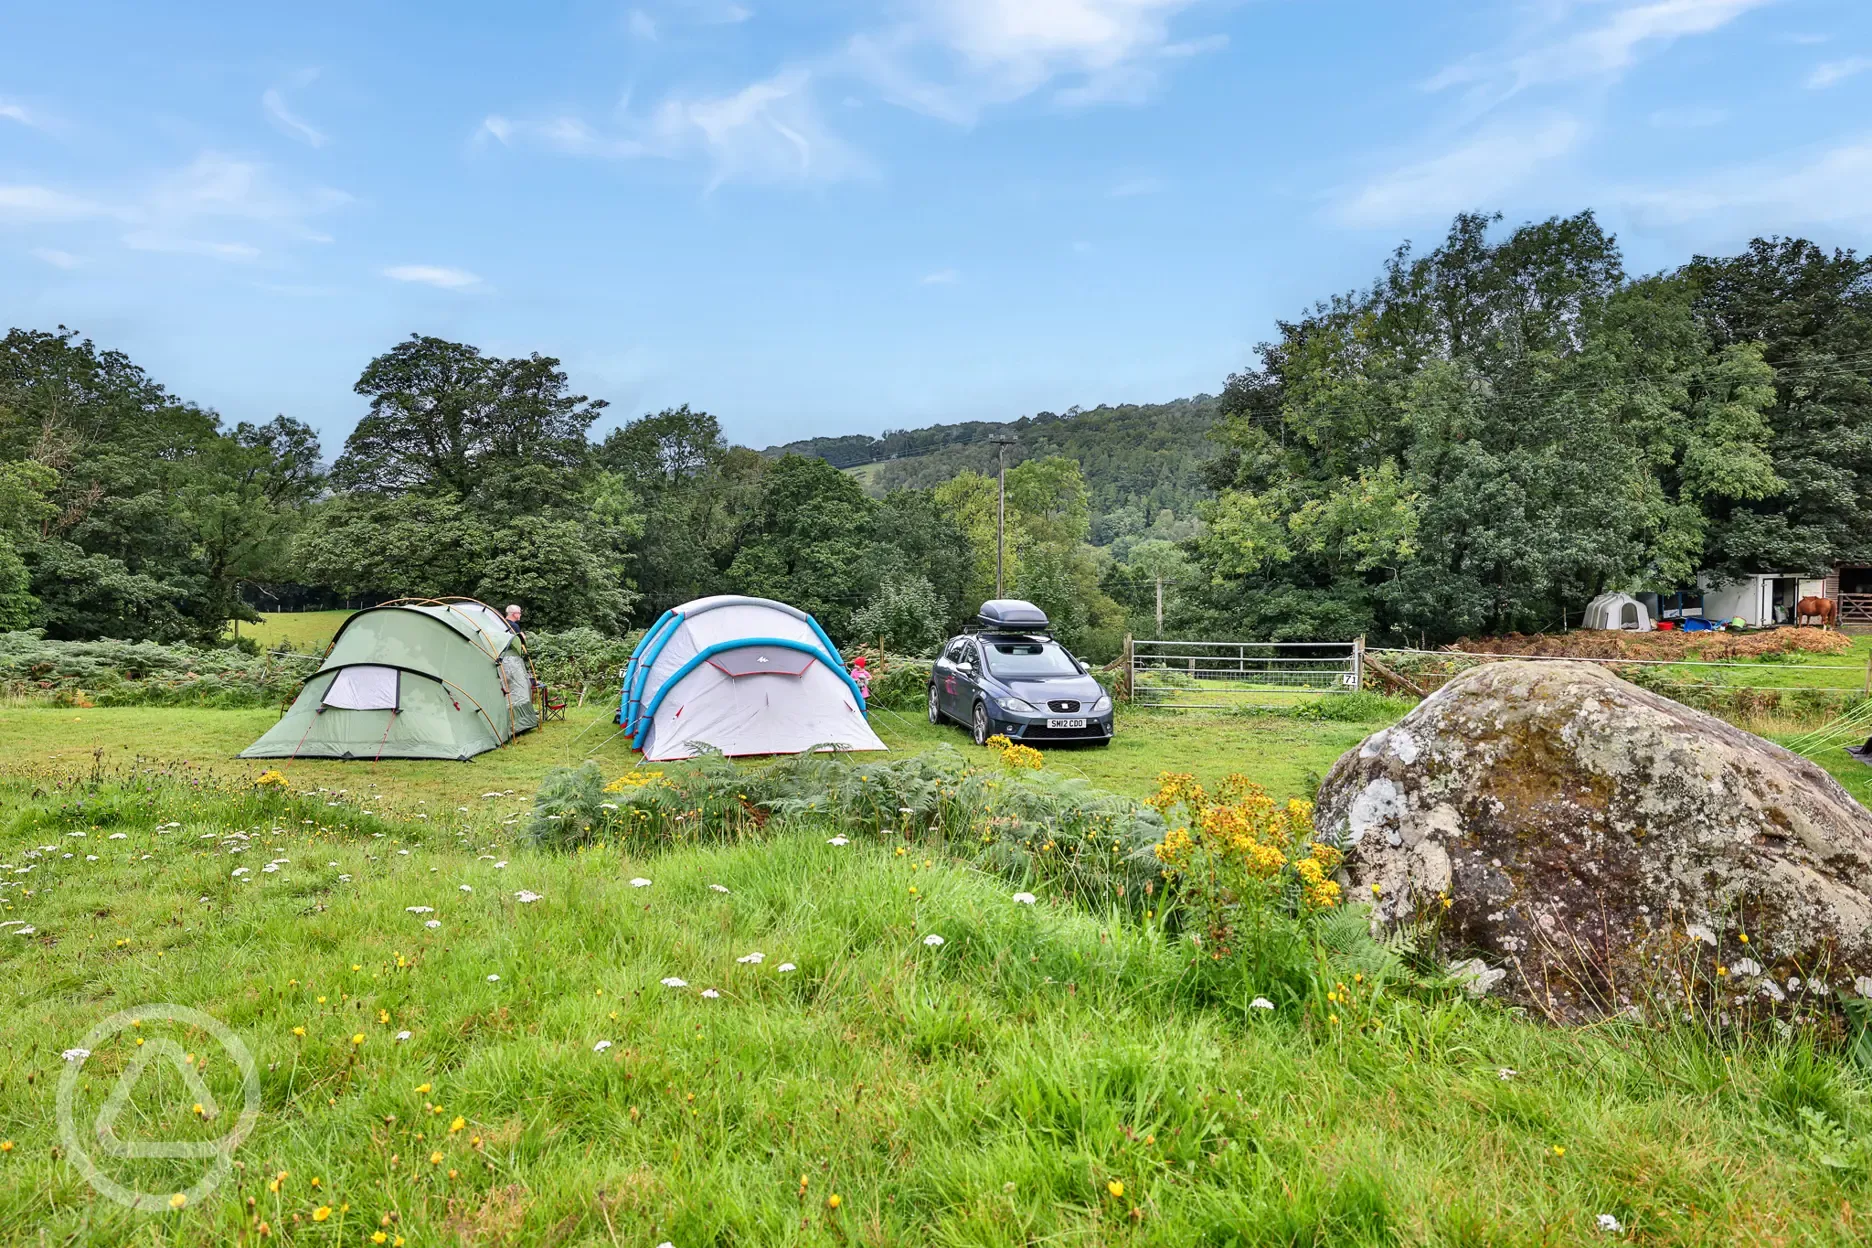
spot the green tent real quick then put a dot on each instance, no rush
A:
(417, 679)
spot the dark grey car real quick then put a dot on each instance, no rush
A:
(1021, 686)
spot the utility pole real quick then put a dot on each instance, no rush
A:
(1001, 445)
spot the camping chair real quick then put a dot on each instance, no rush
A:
(552, 706)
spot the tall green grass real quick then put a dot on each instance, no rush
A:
(1048, 1073)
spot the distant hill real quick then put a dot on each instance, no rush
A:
(1143, 456)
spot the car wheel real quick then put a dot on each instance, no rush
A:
(935, 711)
(981, 724)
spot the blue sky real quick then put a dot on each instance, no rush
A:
(827, 216)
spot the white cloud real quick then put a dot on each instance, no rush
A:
(1832, 73)
(496, 127)
(730, 15)
(42, 203)
(432, 275)
(171, 244)
(1133, 187)
(1605, 50)
(56, 258)
(641, 25)
(954, 58)
(1469, 176)
(769, 131)
(1689, 118)
(275, 105)
(1830, 187)
(941, 277)
(218, 187)
(217, 206)
(17, 112)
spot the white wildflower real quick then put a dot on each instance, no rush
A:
(1609, 1224)
(1024, 899)
(932, 940)
(1260, 1003)
(419, 909)
(710, 993)
(718, 888)
(432, 924)
(753, 959)
(640, 882)
(526, 897)
(467, 888)
(838, 840)
(673, 982)
(601, 1046)
(1506, 1073)
(75, 1055)
(402, 1036)
(785, 967)
(493, 979)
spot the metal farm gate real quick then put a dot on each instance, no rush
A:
(1213, 675)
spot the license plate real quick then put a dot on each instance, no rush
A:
(1065, 723)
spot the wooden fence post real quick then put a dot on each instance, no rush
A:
(1358, 663)
(1130, 669)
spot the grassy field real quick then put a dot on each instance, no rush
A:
(490, 1070)
(1045, 1074)
(1285, 754)
(294, 630)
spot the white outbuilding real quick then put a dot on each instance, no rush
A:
(1617, 612)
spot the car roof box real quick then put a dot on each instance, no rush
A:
(1012, 615)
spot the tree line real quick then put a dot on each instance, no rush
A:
(1496, 431)
(126, 512)
(1483, 439)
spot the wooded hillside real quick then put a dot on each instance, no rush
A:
(1139, 460)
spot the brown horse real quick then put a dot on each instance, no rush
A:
(1823, 609)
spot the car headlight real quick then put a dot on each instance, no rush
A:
(1102, 705)
(1017, 706)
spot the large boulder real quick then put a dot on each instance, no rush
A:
(1609, 849)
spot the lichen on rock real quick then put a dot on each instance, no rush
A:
(1608, 848)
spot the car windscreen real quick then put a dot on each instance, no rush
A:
(1023, 659)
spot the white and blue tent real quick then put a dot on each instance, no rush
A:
(742, 676)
